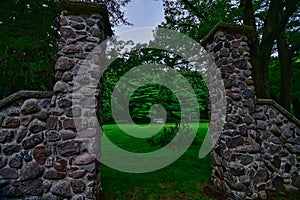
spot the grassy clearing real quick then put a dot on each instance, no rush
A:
(183, 179)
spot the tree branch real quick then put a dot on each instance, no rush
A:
(194, 10)
(188, 25)
(269, 29)
(276, 22)
(286, 74)
(291, 7)
(248, 18)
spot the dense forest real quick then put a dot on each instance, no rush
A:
(28, 49)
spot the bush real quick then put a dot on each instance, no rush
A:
(169, 133)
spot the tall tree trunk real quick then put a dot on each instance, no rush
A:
(285, 60)
(270, 33)
(260, 55)
(260, 61)
(248, 15)
(277, 17)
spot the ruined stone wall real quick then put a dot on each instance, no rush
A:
(43, 153)
(258, 150)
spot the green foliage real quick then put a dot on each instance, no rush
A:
(176, 133)
(27, 45)
(28, 42)
(196, 18)
(296, 75)
(150, 95)
(274, 74)
(141, 101)
(274, 81)
(165, 137)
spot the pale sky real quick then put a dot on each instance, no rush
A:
(142, 13)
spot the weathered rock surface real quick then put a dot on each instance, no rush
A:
(31, 171)
(30, 106)
(62, 188)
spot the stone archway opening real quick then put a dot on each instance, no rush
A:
(176, 177)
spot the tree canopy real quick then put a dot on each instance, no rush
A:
(151, 94)
(28, 44)
(28, 31)
(277, 28)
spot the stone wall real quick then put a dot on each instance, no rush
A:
(258, 151)
(43, 154)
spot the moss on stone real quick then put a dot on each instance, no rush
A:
(233, 29)
(24, 94)
(273, 103)
(80, 7)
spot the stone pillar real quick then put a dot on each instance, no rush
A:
(257, 154)
(43, 155)
(233, 156)
(83, 26)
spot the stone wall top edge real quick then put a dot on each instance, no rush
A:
(81, 7)
(248, 31)
(280, 108)
(24, 94)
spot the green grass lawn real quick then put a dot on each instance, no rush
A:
(183, 179)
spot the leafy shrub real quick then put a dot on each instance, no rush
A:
(177, 132)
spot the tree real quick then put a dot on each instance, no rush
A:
(28, 42)
(271, 22)
(27, 45)
(296, 84)
(115, 8)
(148, 95)
(271, 19)
(196, 18)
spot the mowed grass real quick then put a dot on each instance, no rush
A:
(183, 179)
